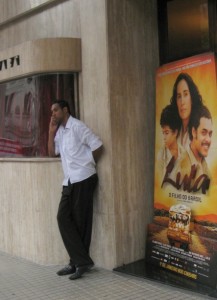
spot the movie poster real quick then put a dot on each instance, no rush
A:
(183, 236)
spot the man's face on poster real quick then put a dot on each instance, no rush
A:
(202, 137)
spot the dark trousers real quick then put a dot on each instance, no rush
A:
(74, 218)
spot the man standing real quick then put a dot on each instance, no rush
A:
(79, 149)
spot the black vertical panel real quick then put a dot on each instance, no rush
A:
(186, 28)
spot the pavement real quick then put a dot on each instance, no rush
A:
(23, 280)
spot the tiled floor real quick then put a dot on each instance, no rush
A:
(23, 280)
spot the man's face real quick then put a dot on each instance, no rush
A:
(169, 136)
(58, 114)
(202, 137)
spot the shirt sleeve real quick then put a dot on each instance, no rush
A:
(88, 137)
(56, 143)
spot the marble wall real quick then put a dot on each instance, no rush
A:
(30, 191)
(133, 57)
(116, 92)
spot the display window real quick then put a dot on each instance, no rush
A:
(25, 110)
(186, 28)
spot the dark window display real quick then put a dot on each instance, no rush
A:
(25, 112)
(186, 28)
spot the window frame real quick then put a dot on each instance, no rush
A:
(34, 111)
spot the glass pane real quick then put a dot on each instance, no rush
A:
(188, 31)
(25, 112)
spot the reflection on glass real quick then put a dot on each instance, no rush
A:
(187, 27)
(25, 112)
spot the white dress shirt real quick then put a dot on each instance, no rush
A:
(75, 143)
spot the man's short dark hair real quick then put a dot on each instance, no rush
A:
(201, 112)
(169, 118)
(62, 103)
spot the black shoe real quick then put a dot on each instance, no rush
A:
(66, 270)
(80, 271)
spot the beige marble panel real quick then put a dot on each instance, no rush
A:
(103, 248)
(131, 25)
(95, 111)
(10, 9)
(30, 194)
(59, 20)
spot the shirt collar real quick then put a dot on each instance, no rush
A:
(68, 124)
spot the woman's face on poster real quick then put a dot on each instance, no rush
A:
(183, 100)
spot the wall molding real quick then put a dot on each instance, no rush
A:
(47, 55)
